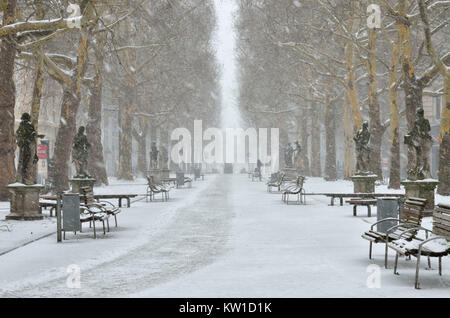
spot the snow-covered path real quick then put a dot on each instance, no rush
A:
(298, 251)
(227, 237)
(196, 236)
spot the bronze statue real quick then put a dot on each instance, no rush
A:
(420, 139)
(26, 140)
(296, 154)
(288, 156)
(154, 154)
(362, 139)
(80, 153)
(164, 157)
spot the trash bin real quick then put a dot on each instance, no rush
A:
(386, 208)
(180, 179)
(71, 212)
(197, 173)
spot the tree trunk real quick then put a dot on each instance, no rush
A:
(96, 162)
(376, 130)
(38, 74)
(302, 130)
(412, 88)
(444, 150)
(63, 143)
(350, 72)
(67, 126)
(316, 167)
(142, 156)
(394, 171)
(141, 140)
(349, 163)
(125, 146)
(36, 102)
(330, 141)
(7, 103)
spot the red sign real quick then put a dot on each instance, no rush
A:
(42, 151)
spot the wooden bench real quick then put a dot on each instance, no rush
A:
(91, 214)
(410, 217)
(120, 197)
(294, 189)
(5, 227)
(99, 197)
(46, 205)
(169, 181)
(275, 183)
(256, 175)
(342, 196)
(154, 188)
(435, 244)
(89, 200)
(363, 202)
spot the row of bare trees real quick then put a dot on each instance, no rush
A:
(317, 68)
(152, 59)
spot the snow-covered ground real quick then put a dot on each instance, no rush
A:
(224, 237)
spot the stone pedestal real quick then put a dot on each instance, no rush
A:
(78, 183)
(159, 174)
(25, 202)
(423, 189)
(364, 183)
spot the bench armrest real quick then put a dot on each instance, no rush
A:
(89, 207)
(389, 230)
(429, 240)
(383, 220)
(417, 228)
(107, 202)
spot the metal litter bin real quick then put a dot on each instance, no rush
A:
(71, 212)
(180, 179)
(386, 208)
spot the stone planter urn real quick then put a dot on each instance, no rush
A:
(423, 189)
(78, 183)
(364, 183)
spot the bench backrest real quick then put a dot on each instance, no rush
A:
(441, 220)
(413, 210)
(300, 181)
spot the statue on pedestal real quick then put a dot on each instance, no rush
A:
(420, 139)
(26, 140)
(296, 155)
(25, 192)
(154, 154)
(288, 152)
(80, 152)
(362, 139)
